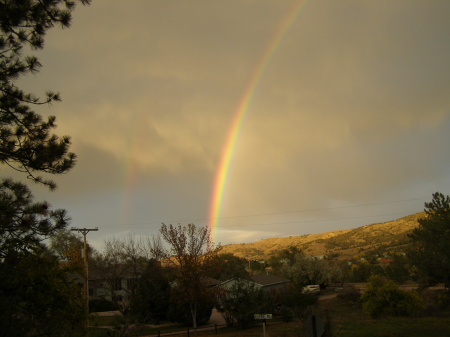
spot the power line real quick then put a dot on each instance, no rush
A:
(298, 222)
(138, 225)
(318, 220)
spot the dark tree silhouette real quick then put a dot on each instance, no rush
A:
(26, 142)
(430, 251)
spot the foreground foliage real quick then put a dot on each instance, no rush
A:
(36, 297)
(384, 298)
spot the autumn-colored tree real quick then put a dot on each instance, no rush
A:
(190, 253)
(68, 246)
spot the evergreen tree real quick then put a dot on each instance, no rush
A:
(26, 142)
(35, 295)
(23, 223)
(430, 252)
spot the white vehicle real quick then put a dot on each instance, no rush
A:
(311, 289)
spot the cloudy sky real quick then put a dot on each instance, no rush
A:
(344, 107)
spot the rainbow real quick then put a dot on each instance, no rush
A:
(223, 168)
(130, 170)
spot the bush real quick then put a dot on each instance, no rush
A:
(101, 304)
(295, 303)
(436, 302)
(350, 294)
(384, 298)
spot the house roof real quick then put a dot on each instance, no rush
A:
(207, 281)
(211, 282)
(265, 279)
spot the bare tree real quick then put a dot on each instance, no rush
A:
(121, 267)
(190, 253)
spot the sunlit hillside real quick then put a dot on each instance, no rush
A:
(340, 243)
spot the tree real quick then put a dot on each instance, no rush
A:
(190, 253)
(398, 269)
(362, 270)
(306, 270)
(282, 258)
(294, 303)
(36, 297)
(63, 241)
(23, 223)
(430, 251)
(68, 246)
(122, 267)
(240, 302)
(152, 295)
(26, 142)
(227, 266)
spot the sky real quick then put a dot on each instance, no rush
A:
(257, 118)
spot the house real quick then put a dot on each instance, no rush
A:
(207, 281)
(384, 262)
(116, 288)
(265, 282)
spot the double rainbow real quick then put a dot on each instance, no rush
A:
(223, 169)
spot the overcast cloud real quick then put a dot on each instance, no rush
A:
(352, 110)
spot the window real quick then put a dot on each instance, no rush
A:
(117, 284)
(131, 283)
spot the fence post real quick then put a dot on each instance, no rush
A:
(215, 327)
(159, 333)
(188, 332)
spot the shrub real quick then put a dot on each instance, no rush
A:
(101, 304)
(350, 294)
(181, 312)
(435, 302)
(384, 298)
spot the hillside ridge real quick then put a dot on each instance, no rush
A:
(342, 243)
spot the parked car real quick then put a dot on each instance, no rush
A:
(311, 289)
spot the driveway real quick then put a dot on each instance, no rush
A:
(216, 318)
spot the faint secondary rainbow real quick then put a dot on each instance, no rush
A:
(223, 169)
(130, 169)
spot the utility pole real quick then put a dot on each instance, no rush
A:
(84, 231)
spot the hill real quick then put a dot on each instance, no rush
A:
(341, 243)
